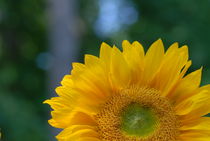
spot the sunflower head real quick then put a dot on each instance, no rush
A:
(131, 95)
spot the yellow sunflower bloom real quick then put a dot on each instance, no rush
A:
(131, 95)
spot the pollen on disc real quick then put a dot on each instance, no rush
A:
(138, 120)
(137, 114)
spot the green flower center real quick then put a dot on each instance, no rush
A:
(137, 120)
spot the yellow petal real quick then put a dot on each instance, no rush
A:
(75, 132)
(82, 133)
(91, 61)
(186, 67)
(139, 49)
(126, 45)
(187, 86)
(134, 56)
(60, 119)
(93, 82)
(153, 60)
(197, 124)
(194, 135)
(78, 69)
(195, 106)
(88, 139)
(67, 81)
(62, 106)
(173, 48)
(105, 55)
(119, 70)
(81, 118)
(169, 74)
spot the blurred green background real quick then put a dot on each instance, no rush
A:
(28, 40)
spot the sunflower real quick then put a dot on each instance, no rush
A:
(131, 95)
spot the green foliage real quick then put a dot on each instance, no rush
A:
(22, 84)
(185, 22)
